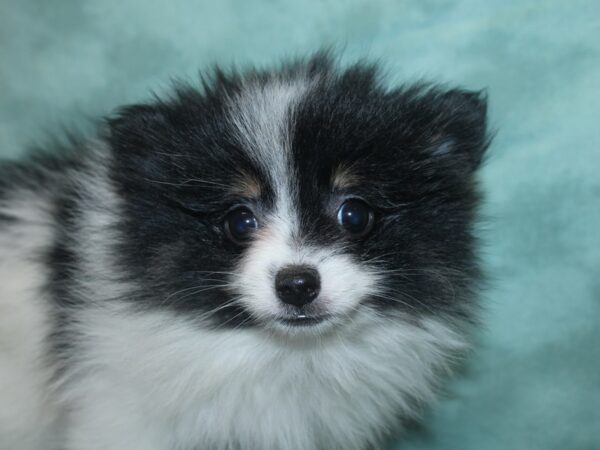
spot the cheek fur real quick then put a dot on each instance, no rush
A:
(345, 283)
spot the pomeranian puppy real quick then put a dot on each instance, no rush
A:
(275, 260)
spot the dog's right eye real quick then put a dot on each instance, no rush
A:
(239, 225)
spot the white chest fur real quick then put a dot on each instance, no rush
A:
(154, 381)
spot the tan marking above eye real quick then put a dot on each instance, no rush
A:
(343, 178)
(247, 186)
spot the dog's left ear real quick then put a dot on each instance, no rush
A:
(137, 130)
(459, 136)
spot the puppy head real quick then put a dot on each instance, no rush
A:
(301, 198)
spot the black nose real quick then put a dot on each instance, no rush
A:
(297, 285)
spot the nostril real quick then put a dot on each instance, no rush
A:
(297, 285)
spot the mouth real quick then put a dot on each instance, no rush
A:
(303, 320)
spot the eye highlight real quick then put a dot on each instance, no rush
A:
(239, 224)
(355, 217)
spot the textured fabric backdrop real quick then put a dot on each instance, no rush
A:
(534, 382)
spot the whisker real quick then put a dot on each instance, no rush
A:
(217, 309)
(177, 155)
(189, 181)
(205, 289)
(198, 289)
(190, 288)
(396, 299)
(210, 272)
(234, 317)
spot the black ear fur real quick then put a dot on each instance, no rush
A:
(460, 128)
(133, 127)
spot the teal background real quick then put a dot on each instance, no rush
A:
(534, 381)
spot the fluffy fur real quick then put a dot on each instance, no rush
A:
(129, 320)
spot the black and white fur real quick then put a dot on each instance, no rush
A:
(128, 319)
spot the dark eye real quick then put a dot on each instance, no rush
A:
(355, 217)
(240, 223)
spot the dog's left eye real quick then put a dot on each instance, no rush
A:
(355, 217)
(240, 223)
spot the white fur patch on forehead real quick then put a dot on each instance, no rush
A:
(262, 115)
